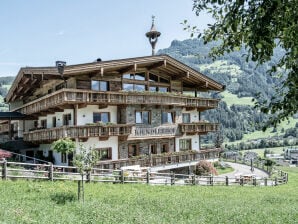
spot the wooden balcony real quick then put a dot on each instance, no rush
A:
(64, 97)
(162, 159)
(82, 132)
(198, 128)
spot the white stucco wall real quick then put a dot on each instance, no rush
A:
(194, 116)
(91, 142)
(85, 115)
(46, 147)
(195, 142)
(111, 142)
(59, 118)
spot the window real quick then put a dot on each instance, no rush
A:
(43, 124)
(186, 118)
(66, 119)
(133, 150)
(104, 153)
(63, 157)
(164, 148)
(153, 149)
(128, 76)
(99, 85)
(138, 87)
(35, 124)
(163, 80)
(185, 144)
(101, 117)
(136, 76)
(153, 78)
(142, 117)
(163, 89)
(54, 123)
(153, 89)
(133, 87)
(140, 76)
(167, 118)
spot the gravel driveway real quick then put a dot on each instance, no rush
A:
(240, 169)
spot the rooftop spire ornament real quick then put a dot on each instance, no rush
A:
(153, 35)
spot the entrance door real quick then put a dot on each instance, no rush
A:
(133, 150)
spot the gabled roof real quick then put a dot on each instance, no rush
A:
(30, 78)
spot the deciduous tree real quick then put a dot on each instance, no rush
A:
(260, 26)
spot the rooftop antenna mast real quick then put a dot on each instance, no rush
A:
(153, 35)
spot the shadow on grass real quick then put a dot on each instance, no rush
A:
(62, 197)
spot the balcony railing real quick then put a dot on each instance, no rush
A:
(122, 130)
(81, 132)
(76, 96)
(161, 159)
(197, 128)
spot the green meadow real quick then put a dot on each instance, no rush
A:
(55, 202)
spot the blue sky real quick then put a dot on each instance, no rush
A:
(37, 33)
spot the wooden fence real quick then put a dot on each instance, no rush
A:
(13, 170)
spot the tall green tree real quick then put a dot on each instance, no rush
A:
(260, 26)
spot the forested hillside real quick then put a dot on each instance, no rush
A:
(5, 83)
(243, 81)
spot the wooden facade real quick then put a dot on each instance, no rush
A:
(143, 105)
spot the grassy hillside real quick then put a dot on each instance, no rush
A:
(232, 99)
(46, 202)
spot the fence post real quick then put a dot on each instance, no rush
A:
(122, 176)
(172, 178)
(211, 180)
(241, 181)
(227, 181)
(148, 176)
(51, 172)
(193, 179)
(275, 181)
(4, 170)
(254, 181)
(88, 176)
(287, 177)
(265, 181)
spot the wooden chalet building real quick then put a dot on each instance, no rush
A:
(123, 108)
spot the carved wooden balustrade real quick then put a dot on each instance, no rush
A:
(161, 159)
(81, 132)
(76, 96)
(198, 128)
(123, 130)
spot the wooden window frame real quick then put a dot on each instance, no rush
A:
(43, 123)
(66, 119)
(109, 153)
(100, 115)
(142, 111)
(172, 114)
(54, 122)
(182, 142)
(185, 114)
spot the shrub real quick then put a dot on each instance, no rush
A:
(205, 168)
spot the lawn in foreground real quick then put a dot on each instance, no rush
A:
(46, 202)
